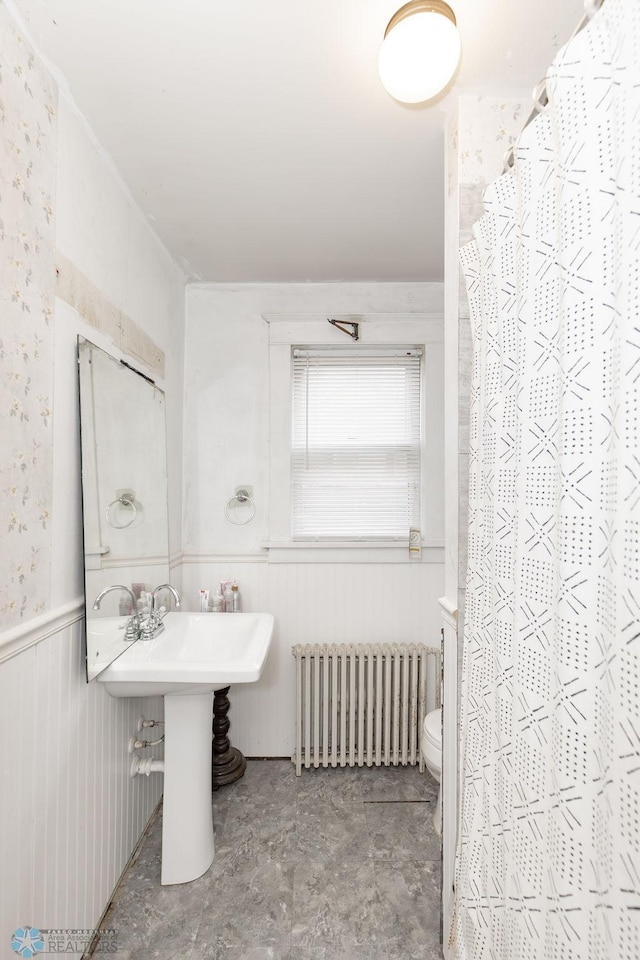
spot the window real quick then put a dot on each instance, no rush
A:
(378, 350)
(355, 443)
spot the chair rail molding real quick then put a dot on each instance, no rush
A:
(37, 629)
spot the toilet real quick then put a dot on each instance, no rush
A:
(432, 752)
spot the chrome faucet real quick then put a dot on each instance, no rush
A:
(152, 624)
(116, 586)
(172, 591)
(133, 623)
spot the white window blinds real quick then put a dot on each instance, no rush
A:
(355, 444)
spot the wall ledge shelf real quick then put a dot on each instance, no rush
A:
(352, 551)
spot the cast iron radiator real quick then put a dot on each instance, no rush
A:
(363, 704)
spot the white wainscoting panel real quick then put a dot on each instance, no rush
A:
(315, 603)
(69, 812)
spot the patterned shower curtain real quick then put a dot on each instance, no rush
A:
(548, 863)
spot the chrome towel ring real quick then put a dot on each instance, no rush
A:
(241, 497)
(124, 501)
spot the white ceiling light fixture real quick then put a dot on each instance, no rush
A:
(420, 51)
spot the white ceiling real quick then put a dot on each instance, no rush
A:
(257, 137)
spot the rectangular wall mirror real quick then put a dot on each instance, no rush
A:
(124, 496)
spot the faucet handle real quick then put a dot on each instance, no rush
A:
(133, 628)
(150, 627)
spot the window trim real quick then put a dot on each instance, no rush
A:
(423, 330)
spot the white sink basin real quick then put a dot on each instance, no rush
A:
(195, 653)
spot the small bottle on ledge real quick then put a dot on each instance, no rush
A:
(236, 605)
(228, 599)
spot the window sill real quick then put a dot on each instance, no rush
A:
(352, 551)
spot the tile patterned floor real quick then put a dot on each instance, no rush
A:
(334, 865)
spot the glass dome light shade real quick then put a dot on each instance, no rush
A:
(420, 51)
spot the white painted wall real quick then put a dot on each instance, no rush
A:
(70, 815)
(227, 444)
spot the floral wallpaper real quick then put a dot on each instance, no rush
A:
(27, 183)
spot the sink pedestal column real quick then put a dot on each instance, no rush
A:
(187, 820)
(228, 764)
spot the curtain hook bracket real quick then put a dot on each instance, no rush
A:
(354, 333)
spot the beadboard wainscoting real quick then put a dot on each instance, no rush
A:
(75, 813)
(314, 603)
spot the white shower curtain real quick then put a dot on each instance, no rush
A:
(548, 863)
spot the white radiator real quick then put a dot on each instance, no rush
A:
(360, 704)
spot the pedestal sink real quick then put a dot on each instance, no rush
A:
(195, 654)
